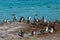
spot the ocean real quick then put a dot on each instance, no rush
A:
(50, 9)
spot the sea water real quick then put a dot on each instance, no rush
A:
(50, 9)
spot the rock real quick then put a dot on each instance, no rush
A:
(3, 34)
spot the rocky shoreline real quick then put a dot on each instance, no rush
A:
(10, 30)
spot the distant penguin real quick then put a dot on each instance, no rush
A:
(6, 21)
(22, 19)
(28, 21)
(47, 29)
(33, 33)
(29, 18)
(51, 30)
(21, 33)
(36, 19)
(44, 20)
(14, 18)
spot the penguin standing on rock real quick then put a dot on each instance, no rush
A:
(21, 34)
(47, 28)
(36, 21)
(33, 33)
(28, 21)
(14, 18)
(51, 30)
(6, 21)
(22, 19)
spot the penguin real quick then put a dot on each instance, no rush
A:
(47, 29)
